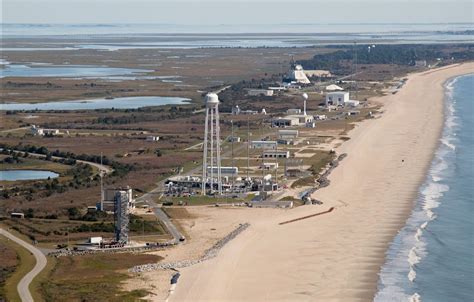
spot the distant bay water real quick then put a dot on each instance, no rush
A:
(168, 36)
(431, 259)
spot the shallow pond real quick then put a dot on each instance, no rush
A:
(102, 103)
(12, 175)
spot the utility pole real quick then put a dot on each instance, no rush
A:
(248, 147)
(232, 152)
(355, 72)
(101, 185)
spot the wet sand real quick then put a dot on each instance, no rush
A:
(336, 256)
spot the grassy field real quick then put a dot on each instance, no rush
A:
(317, 163)
(8, 265)
(50, 232)
(93, 278)
(16, 257)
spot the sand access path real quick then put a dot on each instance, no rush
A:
(337, 256)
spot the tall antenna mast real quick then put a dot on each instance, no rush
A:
(101, 184)
(248, 146)
(232, 150)
(355, 73)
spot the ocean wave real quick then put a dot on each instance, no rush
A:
(398, 275)
(415, 298)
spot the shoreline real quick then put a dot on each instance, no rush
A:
(392, 289)
(373, 194)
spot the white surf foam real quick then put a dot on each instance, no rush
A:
(415, 298)
(398, 275)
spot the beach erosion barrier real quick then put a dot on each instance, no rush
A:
(323, 180)
(208, 254)
(308, 216)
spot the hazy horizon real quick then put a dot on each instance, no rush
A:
(235, 12)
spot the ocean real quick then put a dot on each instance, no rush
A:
(431, 258)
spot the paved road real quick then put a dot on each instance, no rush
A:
(23, 285)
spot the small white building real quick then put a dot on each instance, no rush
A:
(320, 117)
(353, 113)
(310, 125)
(152, 138)
(287, 121)
(278, 88)
(286, 134)
(260, 92)
(272, 145)
(236, 110)
(233, 139)
(42, 132)
(303, 119)
(269, 166)
(293, 111)
(333, 87)
(276, 154)
(352, 103)
(95, 240)
(337, 98)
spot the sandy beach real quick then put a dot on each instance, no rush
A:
(336, 256)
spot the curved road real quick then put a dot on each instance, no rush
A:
(103, 168)
(23, 285)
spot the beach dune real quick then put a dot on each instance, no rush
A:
(337, 256)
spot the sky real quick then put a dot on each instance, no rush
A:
(214, 12)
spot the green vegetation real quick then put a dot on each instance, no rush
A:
(338, 62)
(93, 278)
(317, 162)
(11, 275)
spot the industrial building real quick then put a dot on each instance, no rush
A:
(352, 103)
(297, 75)
(42, 132)
(231, 171)
(286, 121)
(269, 166)
(276, 154)
(107, 202)
(293, 111)
(337, 98)
(152, 138)
(287, 134)
(260, 92)
(292, 120)
(233, 139)
(236, 111)
(263, 145)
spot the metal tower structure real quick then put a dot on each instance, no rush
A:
(121, 216)
(211, 163)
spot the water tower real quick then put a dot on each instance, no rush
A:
(211, 161)
(305, 98)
